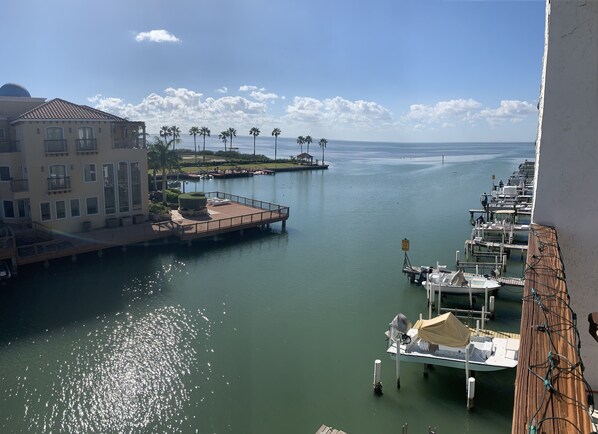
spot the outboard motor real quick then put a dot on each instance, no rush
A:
(398, 329)
(423, 275)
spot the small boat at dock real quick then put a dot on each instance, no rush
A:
(457, 282)
(446, 341)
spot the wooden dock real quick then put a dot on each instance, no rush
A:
(493, 246)
(231, 213)
(413, 271)
(550, 392)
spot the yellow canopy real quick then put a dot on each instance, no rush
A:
(443, 330)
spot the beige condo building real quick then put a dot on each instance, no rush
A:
(69, 167)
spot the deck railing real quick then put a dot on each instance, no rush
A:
(283, 210)
(551, 395)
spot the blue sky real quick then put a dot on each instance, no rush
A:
(385, 70)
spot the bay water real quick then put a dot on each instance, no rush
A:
(270, 331)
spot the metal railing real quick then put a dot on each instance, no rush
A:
(283, 210)
(9, 146)
(59, 183)
(55, 146)
(130, 143)
(19, 185)
(86, 145)
(272, 213)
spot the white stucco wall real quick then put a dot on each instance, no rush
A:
(566, 194)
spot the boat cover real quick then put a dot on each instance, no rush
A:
(458, 279)
(443, 330)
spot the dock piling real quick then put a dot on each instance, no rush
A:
(470, 392)
(377, 383)
(398, 364)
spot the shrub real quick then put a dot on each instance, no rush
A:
(193, 201)
(158, 208)
(172, 196)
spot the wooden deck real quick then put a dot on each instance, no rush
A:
(233, 213)
(550, 394)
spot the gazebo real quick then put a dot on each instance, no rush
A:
(305, 158)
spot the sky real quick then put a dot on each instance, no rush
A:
(377, 70)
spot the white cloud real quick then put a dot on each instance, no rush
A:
(223, 89)
(460, 112)
(443, 112)
(185, 108)
(338, 111)
(338, 118)
(509, 110)
(261, 96)
(249, 88)
(160, 35)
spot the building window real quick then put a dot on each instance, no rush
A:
(75, 210)
(89, 171)
(57, 179)
(123, 187)
(136, 196)
(4, 173)
(9, 209)
(109, 189)
(55, 143)
(46, 212)
(54, 133)
(2, 134)
(60, 209)
(85, 140)
(92, 205)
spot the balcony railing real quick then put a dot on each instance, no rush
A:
(59, 183)
(19, 185)
(55, 146)
(131, 143)
(9, 146)
(87, 145)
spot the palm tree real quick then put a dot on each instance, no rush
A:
(165, 132)
(224, 137)
(194, 131)
(175, 132)
(163, 158)
(323, 143)
(204, 131)
(231, 133)
(275, 132)
(153, 163)
(308, 140)
(254, 132)
(301, 141)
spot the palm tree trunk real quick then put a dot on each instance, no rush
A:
(195, 143)
(275, 146)
(254, 145)
(164, 183)
(204, 149)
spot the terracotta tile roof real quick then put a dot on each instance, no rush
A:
(59, 109)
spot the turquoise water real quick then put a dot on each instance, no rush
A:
(270, 332)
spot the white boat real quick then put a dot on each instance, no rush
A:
(446, 341)
(458, 283)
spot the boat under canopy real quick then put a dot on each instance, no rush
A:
(443, 330)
